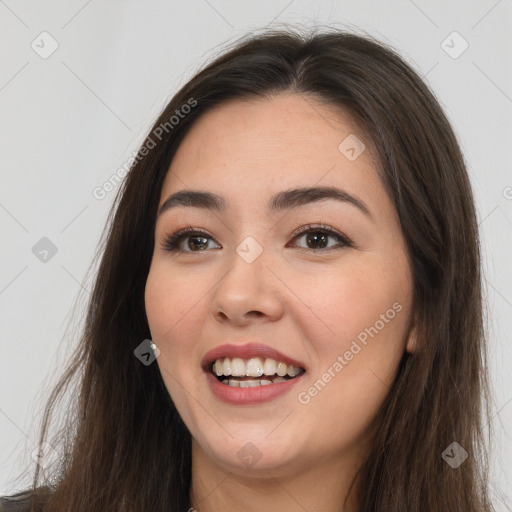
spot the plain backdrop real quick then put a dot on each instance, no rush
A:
(81, 83)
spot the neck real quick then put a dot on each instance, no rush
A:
(325, 487)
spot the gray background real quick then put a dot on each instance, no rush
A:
(69, 121)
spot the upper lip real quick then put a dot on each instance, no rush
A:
(246, 351)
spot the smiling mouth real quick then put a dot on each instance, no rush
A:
(247, 373)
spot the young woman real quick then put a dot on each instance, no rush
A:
(287, 315)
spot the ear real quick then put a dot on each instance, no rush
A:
(412, 337)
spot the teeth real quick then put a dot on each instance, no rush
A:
(226, 367)
(293, 371)
(237, 367)
(269, 368)
(250, 383)
(254, 367)
(281, 369)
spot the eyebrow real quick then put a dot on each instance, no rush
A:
(285, 200)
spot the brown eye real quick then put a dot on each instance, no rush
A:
(187, 240)
(318, 238)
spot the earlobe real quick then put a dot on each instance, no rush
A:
(412, 338)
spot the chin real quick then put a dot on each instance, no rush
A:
(253, 455)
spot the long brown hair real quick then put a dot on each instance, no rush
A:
(125, 448)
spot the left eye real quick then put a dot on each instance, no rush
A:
(317, 239)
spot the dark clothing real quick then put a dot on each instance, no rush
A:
(19, 502)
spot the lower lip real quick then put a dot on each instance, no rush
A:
(247, 396)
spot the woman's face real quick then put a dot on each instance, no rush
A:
(252, 292)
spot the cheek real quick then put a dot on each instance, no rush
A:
(175, 310)
(352, 304)
(360, 317)
(170, 299)
(175, 315)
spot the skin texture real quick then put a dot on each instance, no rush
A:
(308, 303)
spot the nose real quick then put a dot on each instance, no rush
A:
(248, 292)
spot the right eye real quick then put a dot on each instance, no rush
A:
(197, 240)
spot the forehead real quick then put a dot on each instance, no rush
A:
(272, 143)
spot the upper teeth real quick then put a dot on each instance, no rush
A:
(254, 367)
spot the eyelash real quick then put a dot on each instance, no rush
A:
(172, 241)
